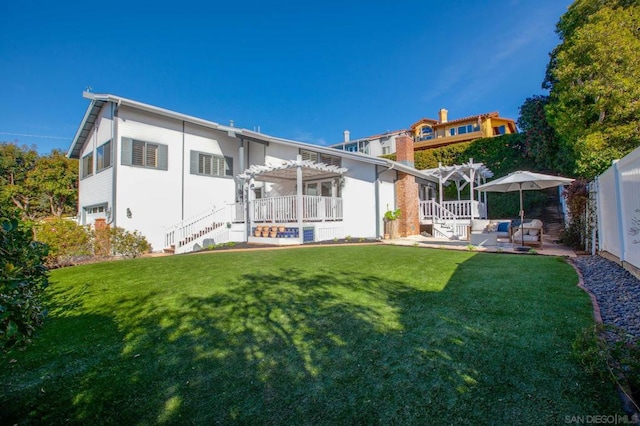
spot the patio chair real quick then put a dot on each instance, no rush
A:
(531, 233)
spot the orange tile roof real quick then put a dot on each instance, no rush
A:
(436, 123)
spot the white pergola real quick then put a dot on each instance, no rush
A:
(296, 170)
(473, 174)
(292, 170)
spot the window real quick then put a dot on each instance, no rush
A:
(500, 130)
(327, 159)
(461, 130)
(87, 165)
(386, 150)
(95, 209)
(103, 157)
(206, 164)
(144, 154)
(325, 188)
(426, 133)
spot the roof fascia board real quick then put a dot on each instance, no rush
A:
(82, 123)
(249, 134)
(156, 110)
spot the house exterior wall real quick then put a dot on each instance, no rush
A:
(204, 192)
(387, 193)
(148, 200)
(96, 189)
(358, 198)
(255, 153)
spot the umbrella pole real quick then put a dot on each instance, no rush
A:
(521, 219)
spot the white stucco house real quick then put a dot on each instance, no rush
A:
(184, 182)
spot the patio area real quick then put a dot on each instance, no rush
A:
(550, 248)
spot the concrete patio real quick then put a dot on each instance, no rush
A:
(550, 248)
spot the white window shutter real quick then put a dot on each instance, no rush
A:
(194, 162)
(163, 157)
(126, 151)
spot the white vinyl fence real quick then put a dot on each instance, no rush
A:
(618, 211)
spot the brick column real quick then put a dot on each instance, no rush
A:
(407, 189)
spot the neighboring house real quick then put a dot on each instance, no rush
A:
(185, 182)
(376, 145)
(429, 133)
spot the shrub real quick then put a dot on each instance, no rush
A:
(507, 205)
(23, 276)
(68, 242)
(128, 244)
(577, 197)
(609, 353)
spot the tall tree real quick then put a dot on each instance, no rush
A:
(15, 164)
(593, 76)
(55, 179)
(540, 141)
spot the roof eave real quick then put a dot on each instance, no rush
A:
(74, 149)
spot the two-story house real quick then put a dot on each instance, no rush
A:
(185, 182)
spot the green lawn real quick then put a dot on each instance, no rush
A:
(323, 335)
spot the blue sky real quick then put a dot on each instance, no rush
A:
(304, 70)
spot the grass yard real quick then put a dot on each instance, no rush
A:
(322, 335)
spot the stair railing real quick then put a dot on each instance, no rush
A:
(194, 227)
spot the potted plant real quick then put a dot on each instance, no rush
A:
(391, 223)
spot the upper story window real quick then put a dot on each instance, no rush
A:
(206, 164)
(461, 130)
(103, 156)
(359, 146)
(86, 168)
(317, 157)
(426, 133)
(499, 130)
(352, 147)
(144, 154)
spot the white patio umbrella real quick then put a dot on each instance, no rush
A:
(523, 181)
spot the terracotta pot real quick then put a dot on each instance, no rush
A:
(280, 228)
(265, 233)
(256, 233)
(273, 234)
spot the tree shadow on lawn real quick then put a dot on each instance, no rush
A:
(326, 347)
(294, 347)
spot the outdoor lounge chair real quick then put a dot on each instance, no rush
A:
(531, 233)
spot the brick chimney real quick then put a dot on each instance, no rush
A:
(404, 150)
(443, 115)
(406, 189)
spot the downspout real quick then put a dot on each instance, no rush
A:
(182, 176)
(114, 158)
(247, 224)
(299, 199)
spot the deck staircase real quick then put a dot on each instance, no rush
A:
(208, 226)
(449, 220)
